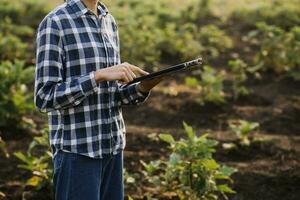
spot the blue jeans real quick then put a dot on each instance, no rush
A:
(78, 177)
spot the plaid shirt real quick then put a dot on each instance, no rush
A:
(84, 118)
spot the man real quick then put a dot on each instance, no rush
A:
(79, 81)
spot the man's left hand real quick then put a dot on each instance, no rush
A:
(147, 85)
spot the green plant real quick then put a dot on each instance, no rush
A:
(190, 171)
(38, 163)
(131, 180)
(7, 27)
(167, 33)
(18, 20)
(293, 38)
(128, 178)
(192, 82)
(25, 12)
(279, 49)
(15, 97)
(214, 41)
(180, 42)
(11, 47)
(210, 85)
(199, 12)
(243, 129)
(139, 47)
(281, 13)
(140, 31)
(239, 72)
(11, 44)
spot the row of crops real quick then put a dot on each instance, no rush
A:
(238, 45)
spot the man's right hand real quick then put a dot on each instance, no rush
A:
(124, 73)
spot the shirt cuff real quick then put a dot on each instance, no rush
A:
(88, 84)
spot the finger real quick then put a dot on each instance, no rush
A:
(124, 78)
(138, 70)
(126, 73)
(131, 73)
(130, 76)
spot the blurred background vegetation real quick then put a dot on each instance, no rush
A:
(244, 44)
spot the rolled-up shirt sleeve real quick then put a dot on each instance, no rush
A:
(52, 92)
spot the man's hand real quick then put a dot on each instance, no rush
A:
(124, 73)
(147, 85)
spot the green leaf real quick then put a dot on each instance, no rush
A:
(27, 75)
(191, 82)
(22, 157)
(221, 177)
(189, 131)
(167, 138)
(225, 189)
(174, 159)
(254, 125)
(32, 145)
(227, 171)
(155, 180)
(210, 164)
(152, 166)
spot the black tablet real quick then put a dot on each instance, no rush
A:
(167, 71)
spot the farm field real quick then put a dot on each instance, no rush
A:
(245, 97)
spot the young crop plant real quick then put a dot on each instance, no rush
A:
(281, 13)
(214, 40)
(240, 71)
(13, 40)
(190, 171)
(25, 12)
(15, 97)
(279, 49)
(39, 165)
(243, 129)
(294, 39)
(210, 85)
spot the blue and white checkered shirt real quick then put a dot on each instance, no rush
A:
(84, 118)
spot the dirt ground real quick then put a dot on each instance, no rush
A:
(269, 169)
